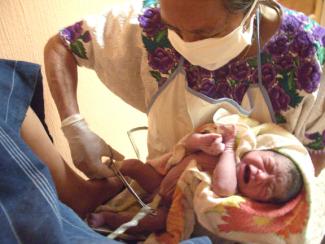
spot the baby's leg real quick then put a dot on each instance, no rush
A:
(206, 161)
(168, 184)
(146, 176)
(150, 223)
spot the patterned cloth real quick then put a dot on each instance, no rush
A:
(239, 218)
(292, 60)
(292, 63)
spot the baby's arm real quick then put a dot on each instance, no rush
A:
(224, 180)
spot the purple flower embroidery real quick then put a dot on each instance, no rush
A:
(195, 74)
(239, 92)
(222, 73)
(150, 21)
(303, 44)
(268, 75)
(86, 37)
(279, 99)
(74, 37)
(302, 18)
(284, 62)
(239, 71)
(223, 89)
(162, 60)
(193, 77)
(290, 24)
(208, 88)
(204, 73)
(279, 45)
(312, 136)
(308, 76)
(72, 32)
(319, 34)
(318, 140)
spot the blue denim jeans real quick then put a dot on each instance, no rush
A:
(30, 211)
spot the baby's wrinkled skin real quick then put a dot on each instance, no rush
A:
(259, 175)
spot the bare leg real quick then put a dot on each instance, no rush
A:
(167, 187)
(71, 187)
(146, 176)
(150, 223)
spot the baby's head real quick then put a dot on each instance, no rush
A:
(268, 176)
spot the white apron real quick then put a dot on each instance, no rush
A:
(176, 110)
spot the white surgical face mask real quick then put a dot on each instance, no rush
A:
(213, 53)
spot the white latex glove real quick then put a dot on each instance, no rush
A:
(87, 148)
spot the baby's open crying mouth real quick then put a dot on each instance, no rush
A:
(247, 172)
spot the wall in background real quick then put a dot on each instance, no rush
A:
(25, 27)
(310, 7)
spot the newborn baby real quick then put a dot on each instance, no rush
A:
(264, 176)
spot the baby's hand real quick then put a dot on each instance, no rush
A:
(209, 143)
(228, 135)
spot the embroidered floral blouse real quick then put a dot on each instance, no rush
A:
(132, 56)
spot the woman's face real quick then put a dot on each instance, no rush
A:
(262, 175)
(195, 20)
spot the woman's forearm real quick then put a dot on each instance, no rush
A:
(61, 73)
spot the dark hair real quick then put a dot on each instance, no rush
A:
(295, 183)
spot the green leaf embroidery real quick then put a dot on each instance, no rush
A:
(232, 82)
(309, 26)
(321, 54)
(78, 48)
(152, 45)
(252, 62)
(160, 35)
(280, 119)
(162, 39)
(156, 75)
(316, 145)
(149, 44)
(265, 58)
(289, 86)
(291, 83)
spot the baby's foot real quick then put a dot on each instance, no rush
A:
(108, 219)
(96, 220)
